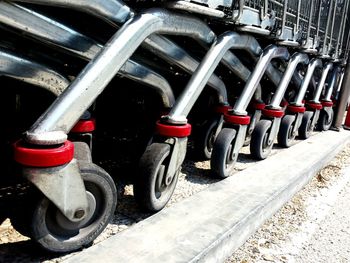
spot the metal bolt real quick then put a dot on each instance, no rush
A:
(79, 213)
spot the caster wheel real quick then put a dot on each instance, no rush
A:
(205, 140)
(223, 159)
(285, 136)
(151, 189)
(260, 147)
(326, 120)
(305, 128)
(54, 232)
(22, 212)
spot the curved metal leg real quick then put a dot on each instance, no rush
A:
(294, 61)
(20, 68)
(314, 63)
(185, 102)
(55, 123)
(317, 94)
(269, 53)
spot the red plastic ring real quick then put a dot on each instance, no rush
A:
(259, 106)
(173, 130)
(315, 106)
(284, 103)
(223, 109)
(83, 126)
(236, 119)
(273, 113)
(41, 157)
(295, 109)
(327, 104)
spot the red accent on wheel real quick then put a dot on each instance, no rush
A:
(236, 119)
(43, 157)
(295, 109)
(284, 103)
(315, 106)
(259, 106)
(223, 109)
(179, 131)
(83, 126)
(273, 113)
(327, 104)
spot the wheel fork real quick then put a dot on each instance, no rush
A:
(239, 141)
(177, 156)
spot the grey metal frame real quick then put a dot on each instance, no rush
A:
(295, 60)
(55, 123)
(188, 97)
(17, 67)
(269, 53)
(106, 9)
(314, 63)
(54, 33)
(322, 81)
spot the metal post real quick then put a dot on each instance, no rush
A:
(344, 96)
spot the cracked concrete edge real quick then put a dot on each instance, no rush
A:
(210, 225)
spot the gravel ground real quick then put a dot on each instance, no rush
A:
(195, 177)
(295, 233)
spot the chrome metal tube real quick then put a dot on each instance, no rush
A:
(269, 53)
(241, 71)
(333, 81)
(309, 24)
(317, 94)
(344, 98)
(46, 30)
(54, 33)
(14, 66)
(53, 126)
(343, 26)
(195, 8)
(239, 11)
(248, 44)
(188, 97)
(329, 19)
(175, 55)
(294, 61)
(108, 10)
(314, 63)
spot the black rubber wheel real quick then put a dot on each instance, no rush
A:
(260, 147)
(151, 190)
(305, 128)
(325, 121)
(204, 142)
(54, 232)
(22, 211)
(285, 136)
(222, 162)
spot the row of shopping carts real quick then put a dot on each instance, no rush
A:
(133, 86)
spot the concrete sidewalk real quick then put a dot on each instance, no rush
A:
(211, 224)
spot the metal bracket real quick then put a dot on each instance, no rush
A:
(315, 119)
(239, 142)
(298, 120)
(328, 110)
(63, 186)
(254, 119)
(276, 122)
(179, 147)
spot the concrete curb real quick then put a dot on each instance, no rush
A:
(211, 224)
